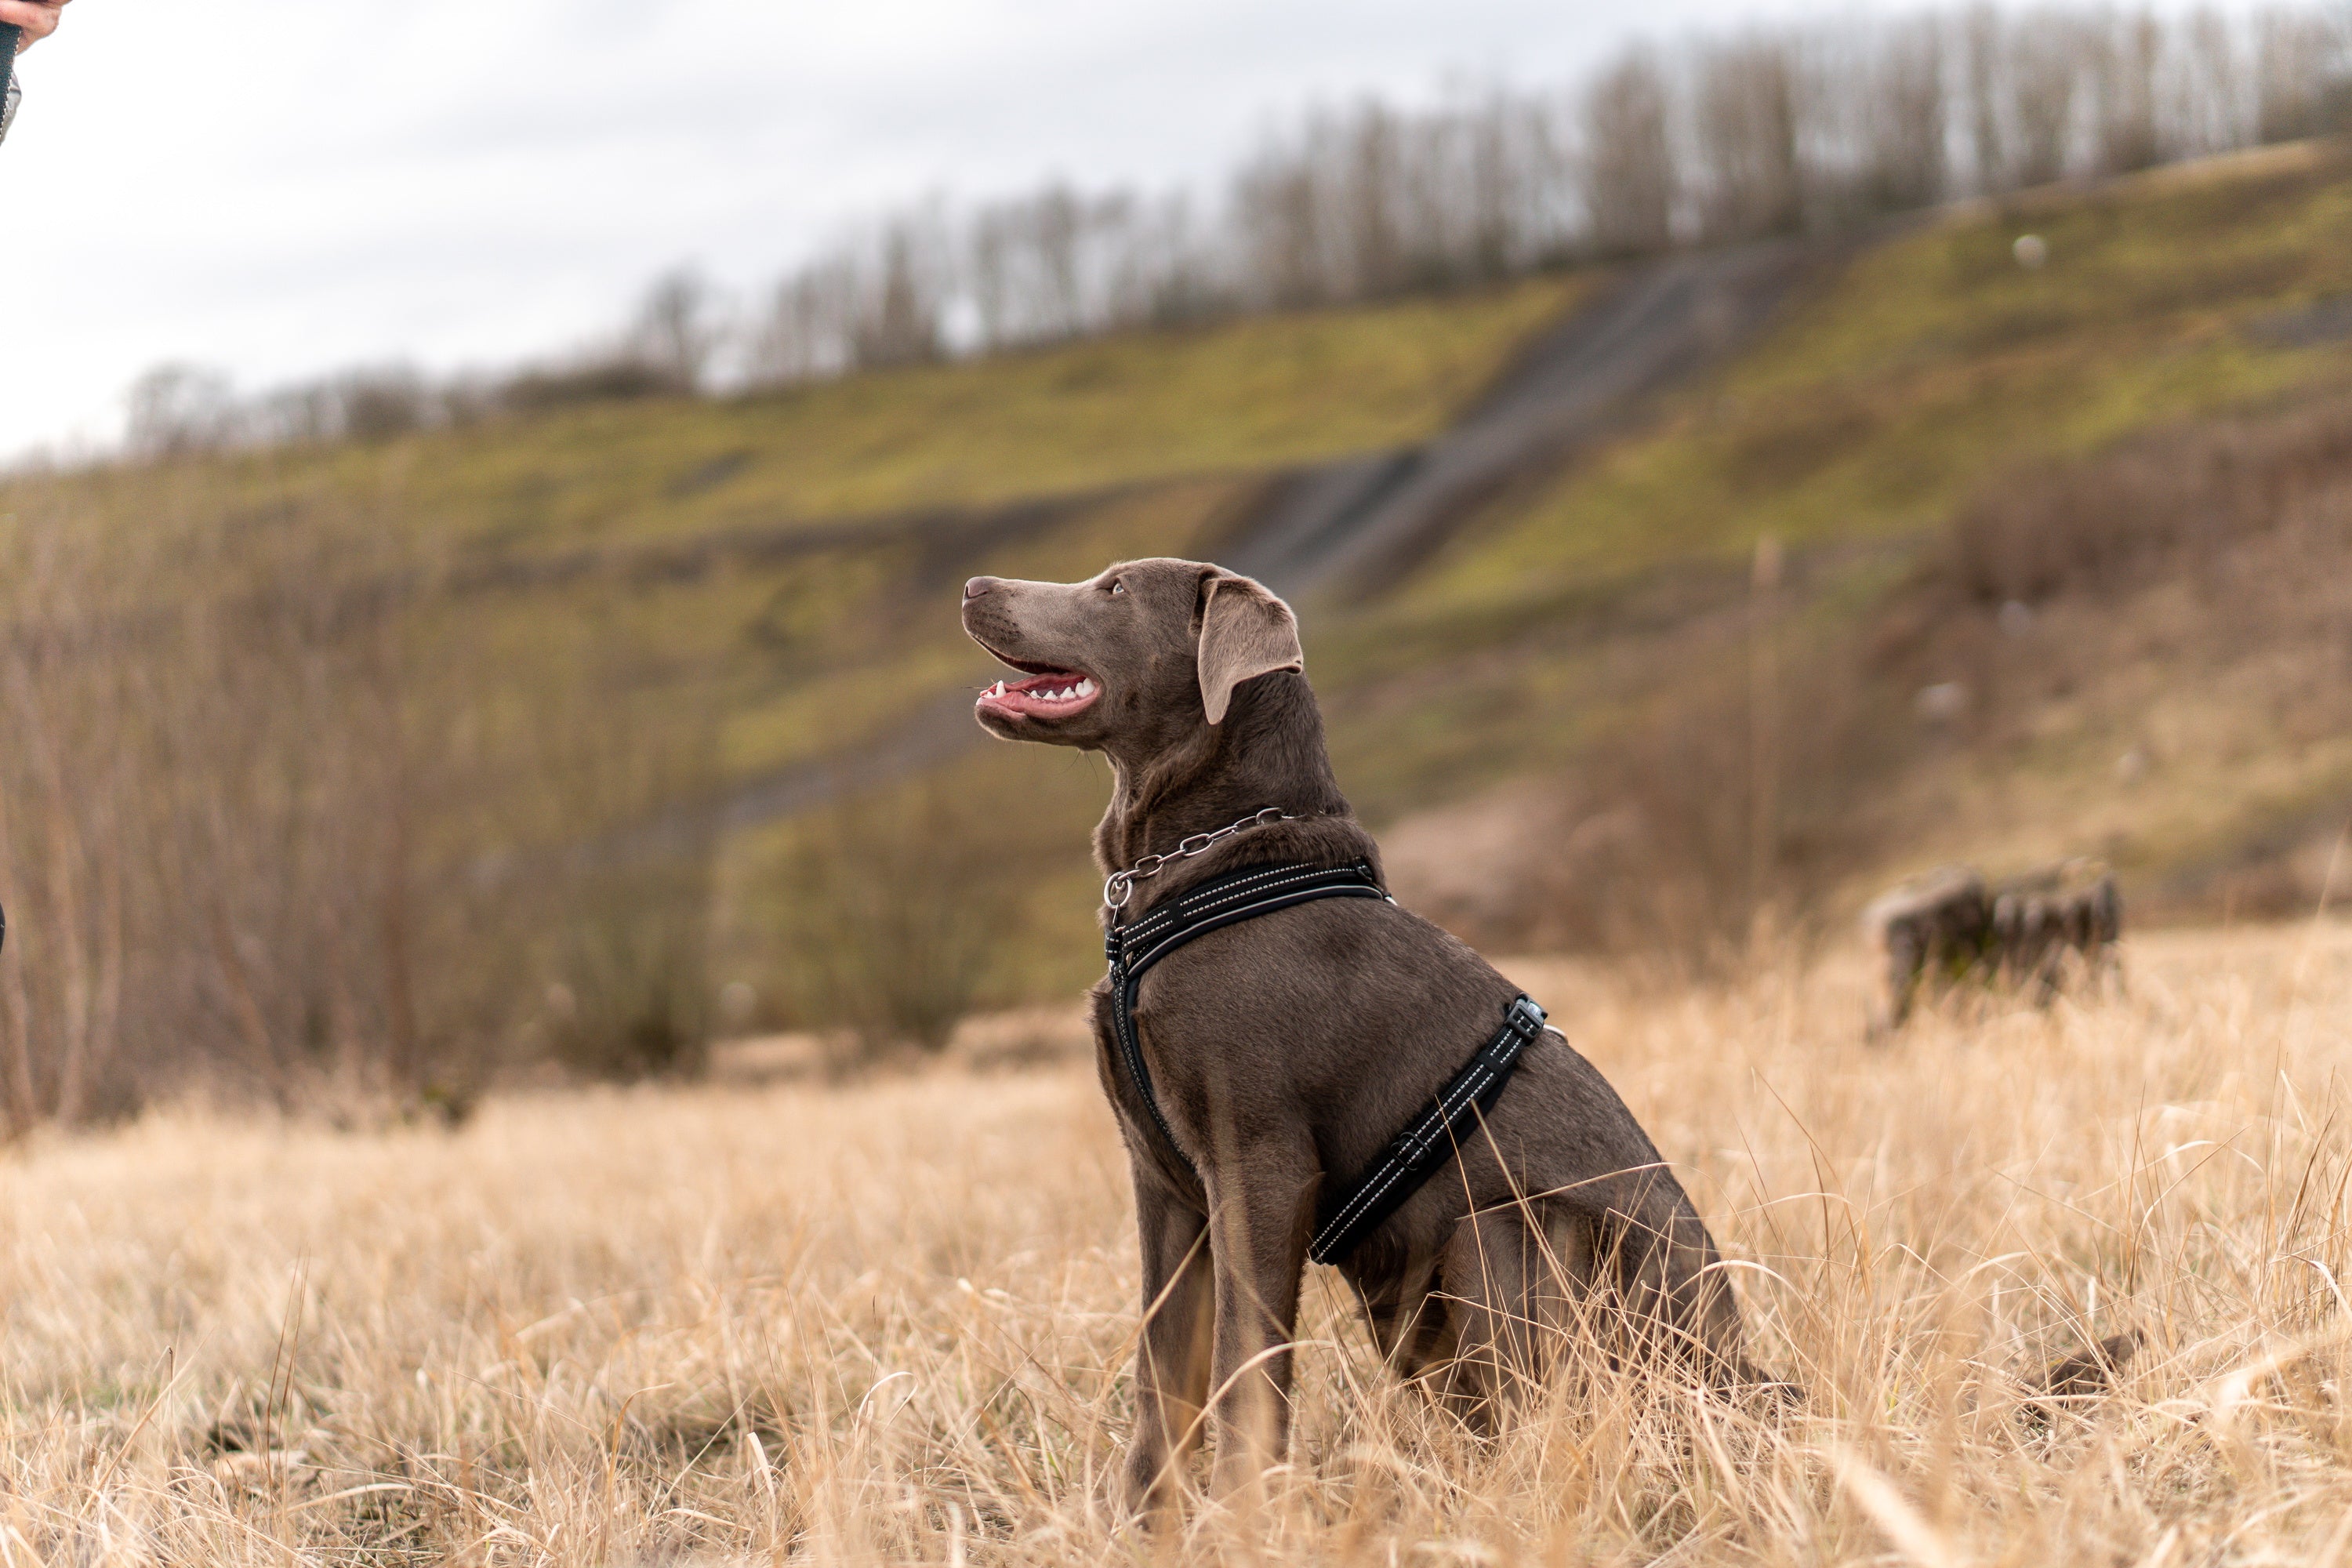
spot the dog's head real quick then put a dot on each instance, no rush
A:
(1133, 659)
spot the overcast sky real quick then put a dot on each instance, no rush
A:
(286, 187)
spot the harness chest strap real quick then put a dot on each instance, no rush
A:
(1414, 1154)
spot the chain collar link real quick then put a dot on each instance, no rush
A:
(1120, 886)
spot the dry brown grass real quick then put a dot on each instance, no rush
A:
(890, 1323)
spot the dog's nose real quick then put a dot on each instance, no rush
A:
(977, 586)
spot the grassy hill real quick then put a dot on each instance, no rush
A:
(783, 566)
(1582, 622)
(1935, 364)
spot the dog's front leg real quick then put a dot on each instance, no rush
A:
(1171, 1356)
(1261, 1213)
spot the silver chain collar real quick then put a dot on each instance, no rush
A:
(1121, 886)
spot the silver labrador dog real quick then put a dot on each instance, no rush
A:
(1287, 1051)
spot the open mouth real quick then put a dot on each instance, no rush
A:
(1048, 693)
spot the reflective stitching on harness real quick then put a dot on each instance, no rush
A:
(1347, 879)
(1176, 913)
(1406, 1160)
(1392, 1172)
(1198, 912)
(1272, 899)
(1244, 895)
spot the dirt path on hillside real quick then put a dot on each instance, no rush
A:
(1351, 526)
(1354, 526)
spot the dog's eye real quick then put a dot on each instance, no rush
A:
(1117, 587)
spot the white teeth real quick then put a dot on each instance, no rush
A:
(1082, 688)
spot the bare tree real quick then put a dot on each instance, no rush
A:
(1745, 114)
(2129, 50)
(1278, 222)
(677, 329)
(1373, 188)
(898, 322)
(1630, 181)
(1056, 225)
(1905, 161)
(810, 321)
(2299, 76)
(2214, 112)
(1990, 151)
(1171, 274)
(2045, 63)
(1766, 132)
(178, 409)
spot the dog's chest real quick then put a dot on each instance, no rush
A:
(1143, 1139)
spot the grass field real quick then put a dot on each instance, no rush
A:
(890, 1322)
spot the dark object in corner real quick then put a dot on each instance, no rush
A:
(2083, 1375)
(8, 91)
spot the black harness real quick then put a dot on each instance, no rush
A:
(1413, 1156)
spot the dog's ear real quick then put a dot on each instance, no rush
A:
(1245, 632)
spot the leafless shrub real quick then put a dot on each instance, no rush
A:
(276, 817)
(1517, 213)
(625, 884)
(2053, 922)
(600, 378)
(894, 906)
(2084, 526)
(176, 409)
(1713, 820)
(366, 404)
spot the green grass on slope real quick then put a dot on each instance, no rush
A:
(1144, 407)
(871, 643)
(1249, 395)
(1937, 360)
(1931, 365)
